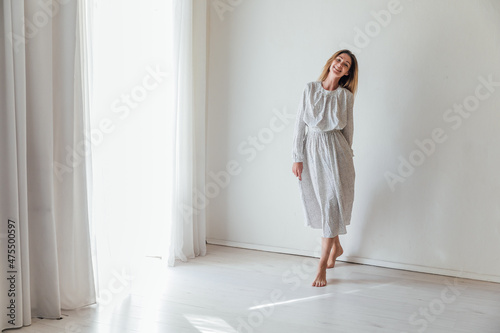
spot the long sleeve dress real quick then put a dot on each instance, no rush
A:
(327, 185)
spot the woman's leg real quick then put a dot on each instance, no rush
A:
(336, 251)
(326, 249)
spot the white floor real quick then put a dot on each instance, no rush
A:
(237, 290)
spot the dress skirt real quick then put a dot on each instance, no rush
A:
(327, 185)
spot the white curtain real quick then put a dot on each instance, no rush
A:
(46, 259)
(188, 235)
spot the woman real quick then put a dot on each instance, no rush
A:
(323, 157)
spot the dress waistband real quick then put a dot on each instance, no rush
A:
(317, 130)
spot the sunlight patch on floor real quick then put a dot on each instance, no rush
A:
(208, 324)
(298, 300)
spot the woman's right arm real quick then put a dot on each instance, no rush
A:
(299, 135)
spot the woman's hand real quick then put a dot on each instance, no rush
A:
(297, 169)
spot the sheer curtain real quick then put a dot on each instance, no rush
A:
(187, 227)
(131, 92)
(44, 228)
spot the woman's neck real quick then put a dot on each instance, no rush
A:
(331, 83)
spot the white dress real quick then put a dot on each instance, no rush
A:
(327, 185)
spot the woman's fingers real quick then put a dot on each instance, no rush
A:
(297, 170)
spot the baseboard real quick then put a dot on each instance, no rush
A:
(364, 261)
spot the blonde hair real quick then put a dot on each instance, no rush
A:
(350, 82)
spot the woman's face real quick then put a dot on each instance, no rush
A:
(340, 65)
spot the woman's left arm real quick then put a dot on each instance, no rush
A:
(348, 130)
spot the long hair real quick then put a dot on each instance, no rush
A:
(350, 82)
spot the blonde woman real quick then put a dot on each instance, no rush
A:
(323, 156)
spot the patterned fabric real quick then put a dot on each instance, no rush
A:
(327, 185)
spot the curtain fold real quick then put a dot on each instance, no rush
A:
(187, 226)
(44, 228)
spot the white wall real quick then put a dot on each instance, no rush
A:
(444, 215)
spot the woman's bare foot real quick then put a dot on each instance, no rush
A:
(336, 252)
(320, 280)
